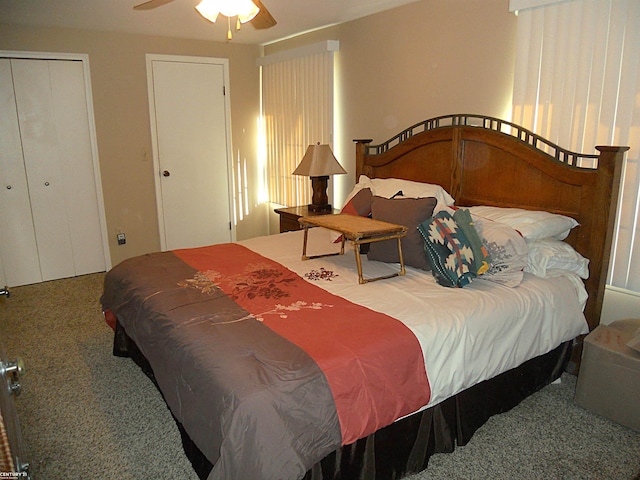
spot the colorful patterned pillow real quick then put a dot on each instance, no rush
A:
(506, 247)
(448, 250)
(481, 257)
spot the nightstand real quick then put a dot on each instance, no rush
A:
(289, 216)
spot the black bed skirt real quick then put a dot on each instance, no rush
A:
(404, 447)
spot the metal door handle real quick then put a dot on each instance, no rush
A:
(166, 173)
(16, 367)
(46, 184)
(12, 372)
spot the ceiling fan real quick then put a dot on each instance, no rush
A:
(263, 19)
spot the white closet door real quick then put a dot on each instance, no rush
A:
(40, 146)
(17, 236)
(78, 180)
(52, 226)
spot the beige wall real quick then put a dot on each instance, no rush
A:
(394, 69)
(119, 86)
(428, 58)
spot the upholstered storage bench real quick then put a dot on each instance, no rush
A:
(609, 378)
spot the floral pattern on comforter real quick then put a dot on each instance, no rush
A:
(267, 372)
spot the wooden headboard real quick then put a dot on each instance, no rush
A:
(482, 160)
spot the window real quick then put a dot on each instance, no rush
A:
(297, 110)
(577, 83)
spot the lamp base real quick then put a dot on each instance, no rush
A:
(319, 208)
(319, 200)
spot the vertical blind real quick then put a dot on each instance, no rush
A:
(577, 83)
(297, 110)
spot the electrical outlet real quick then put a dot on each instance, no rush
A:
(122, 239)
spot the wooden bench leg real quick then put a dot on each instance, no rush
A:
(304, 243)
(356, 246)
(309, 257)
(402, 270)
(362, 280)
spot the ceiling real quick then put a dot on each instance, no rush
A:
(180, 19)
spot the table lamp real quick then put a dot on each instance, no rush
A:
(318, 163)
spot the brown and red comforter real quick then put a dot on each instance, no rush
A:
(267, 372)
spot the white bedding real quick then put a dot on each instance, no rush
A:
(467, 335)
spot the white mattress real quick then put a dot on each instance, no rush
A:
(467, 335)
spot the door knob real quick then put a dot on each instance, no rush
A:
(12, 372)
(166, 173)
(16, 368)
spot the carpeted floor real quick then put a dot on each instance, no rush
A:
(88, 415)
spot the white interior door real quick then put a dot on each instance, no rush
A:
(191, 150)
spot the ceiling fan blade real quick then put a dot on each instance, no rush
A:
(151, 4)
(263, 19)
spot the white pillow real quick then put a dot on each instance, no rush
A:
(548, 258)
(532, 224)
(507, 249)
(363, 182)
(388, 187)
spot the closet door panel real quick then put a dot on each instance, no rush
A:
(81, 198)
(40, 146)
(18, 251)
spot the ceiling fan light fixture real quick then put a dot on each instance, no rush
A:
(211, 15)
(245, 10)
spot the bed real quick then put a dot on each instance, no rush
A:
(275, 367)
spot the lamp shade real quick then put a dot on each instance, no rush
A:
(318, 161)
(245, 10)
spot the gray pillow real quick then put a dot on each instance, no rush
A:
(409, 212)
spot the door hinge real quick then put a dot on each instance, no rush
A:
(224, 90)
(229, 225)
